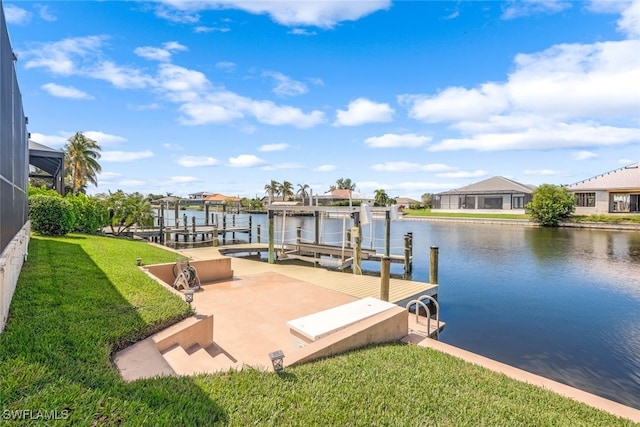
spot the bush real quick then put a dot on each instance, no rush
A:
(550, 205)
(51, 215)
(90, 213)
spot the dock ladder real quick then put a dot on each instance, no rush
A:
(418, 302)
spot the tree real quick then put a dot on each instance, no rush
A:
(286, 189)
(126, 210)
(427, 200)
(302, 192)
(81, 162)
(550, 205)
(272, 189)
(345, 184)
(381, 198)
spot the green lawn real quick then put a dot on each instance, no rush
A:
(612, 219)
(80, 298)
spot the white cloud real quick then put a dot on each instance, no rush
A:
(53, 141)
(461, 174)
(457, 103)
(132, 183)
(626, 161)
(279, 166)
(542, 172)
(391, 140)
(65, 91)
(226, 66)
(522, 8)
(125, 156)
(286, 86)
(205, 29)
(104, 138)
(173, 147)
(144, 107)
(325, 168)
(273, 147)
(361, 111)
(245, 161)
(160, 54)
(584, 155)
(109, 175)
(302, 32)
(45, 14)
(629, 23)
(16, 15)
(323, 14)
(182, 180)
(567, 96)
(196, 161)
(65, 57)
(545, 136)
(411, 167)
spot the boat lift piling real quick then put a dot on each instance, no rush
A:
(350, 252)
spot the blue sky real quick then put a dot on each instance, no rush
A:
(411, 97)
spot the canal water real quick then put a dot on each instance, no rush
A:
(561, 303)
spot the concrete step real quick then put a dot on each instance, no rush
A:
(197, 359)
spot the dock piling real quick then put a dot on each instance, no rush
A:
(385, 274)
(433, 267)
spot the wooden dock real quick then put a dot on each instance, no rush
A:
(360, 286)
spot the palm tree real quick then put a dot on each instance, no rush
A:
(302, 191)
(286, 189)
(381, 198)
(273, 188)
(81, 161)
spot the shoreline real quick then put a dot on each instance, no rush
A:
(525, 223)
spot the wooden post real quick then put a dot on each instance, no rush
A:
(387, 233)
(259, 233)
(215, 236)
(357, 250)
(433, 266)
(385, 273)
(407, 252)
(298, 235)
(176, 207)
(316, 216)
(161, 221)
(410, 234)
(224, 226)
(250, 228)
(206, 213)
(193, 227)
(184, 221)
(271, 243)
(233, 225)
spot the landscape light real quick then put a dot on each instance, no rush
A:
(277, 359)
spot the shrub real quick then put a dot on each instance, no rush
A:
(90, 213)
(51, 215)
(550, 205)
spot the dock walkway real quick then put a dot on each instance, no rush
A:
(360, 286)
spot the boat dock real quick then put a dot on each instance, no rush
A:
(360, 286)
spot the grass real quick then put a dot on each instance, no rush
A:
(608, 219)
(428, 213)
(79, 298)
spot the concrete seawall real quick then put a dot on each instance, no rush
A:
(524, 223)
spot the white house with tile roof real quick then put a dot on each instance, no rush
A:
(617, 191)
(493, 195)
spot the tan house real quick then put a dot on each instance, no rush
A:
(493, 195)
(617, 191)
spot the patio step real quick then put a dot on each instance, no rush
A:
(197, 359)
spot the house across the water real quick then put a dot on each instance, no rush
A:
(493, 195)
(617, 191)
